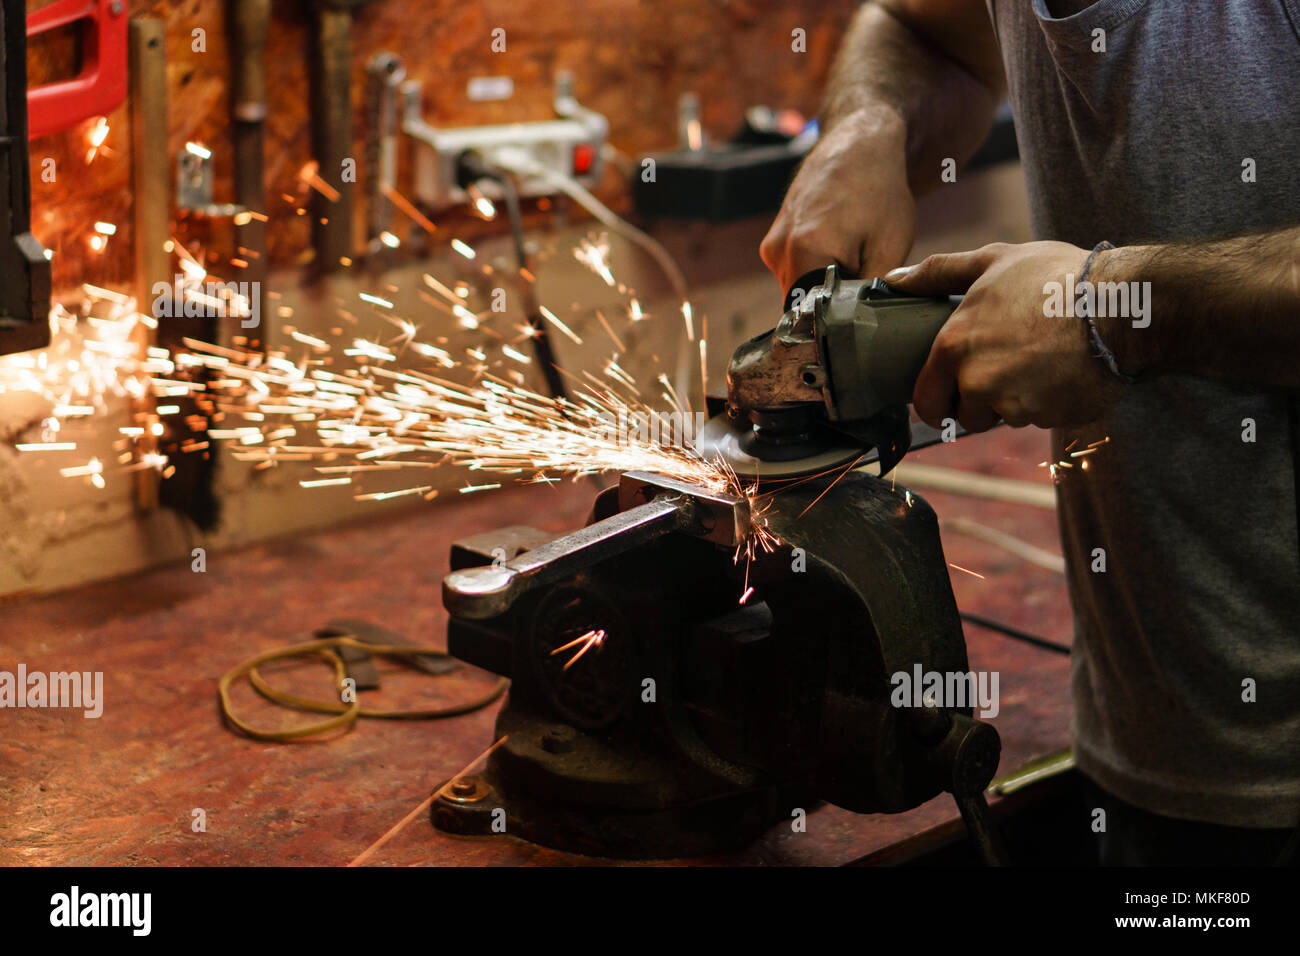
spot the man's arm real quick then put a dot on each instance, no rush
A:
(935, 63)
(1227, 308)
(915, 82)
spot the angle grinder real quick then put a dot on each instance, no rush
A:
(830, 384)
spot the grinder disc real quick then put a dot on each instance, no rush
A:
(719, 438)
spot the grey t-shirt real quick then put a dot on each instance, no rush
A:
(1200, 596)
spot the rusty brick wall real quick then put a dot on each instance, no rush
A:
(631, 59)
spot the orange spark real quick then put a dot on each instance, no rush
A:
(588, 641)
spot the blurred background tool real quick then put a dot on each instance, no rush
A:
(331, 129)
(101, 83)
(249, 22)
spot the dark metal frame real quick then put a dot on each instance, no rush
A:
(24, 270)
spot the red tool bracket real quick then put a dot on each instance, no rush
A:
(101, 85)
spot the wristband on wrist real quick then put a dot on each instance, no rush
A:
(1099, 348)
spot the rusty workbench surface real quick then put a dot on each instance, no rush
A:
(121, 789)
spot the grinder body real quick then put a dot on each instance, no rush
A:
(830, 382)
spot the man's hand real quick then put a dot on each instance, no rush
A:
(849, 204)
(1000, 356)
(915, 83)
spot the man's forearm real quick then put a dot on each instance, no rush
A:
(893, 61)
(1227, 308)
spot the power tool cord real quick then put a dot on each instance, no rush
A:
(1022, 549)
(470, 168)
(1015, 633)
(346, 712)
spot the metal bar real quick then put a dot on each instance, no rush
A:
(488, 591)
(250, 23)
(385, 73)
(151, 208)
(331, 120)
(718, 517)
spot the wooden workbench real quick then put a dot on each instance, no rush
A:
(121, 789)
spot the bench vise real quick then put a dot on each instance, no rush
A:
(707, 711)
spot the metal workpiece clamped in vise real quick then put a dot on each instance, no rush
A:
(699, 722)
